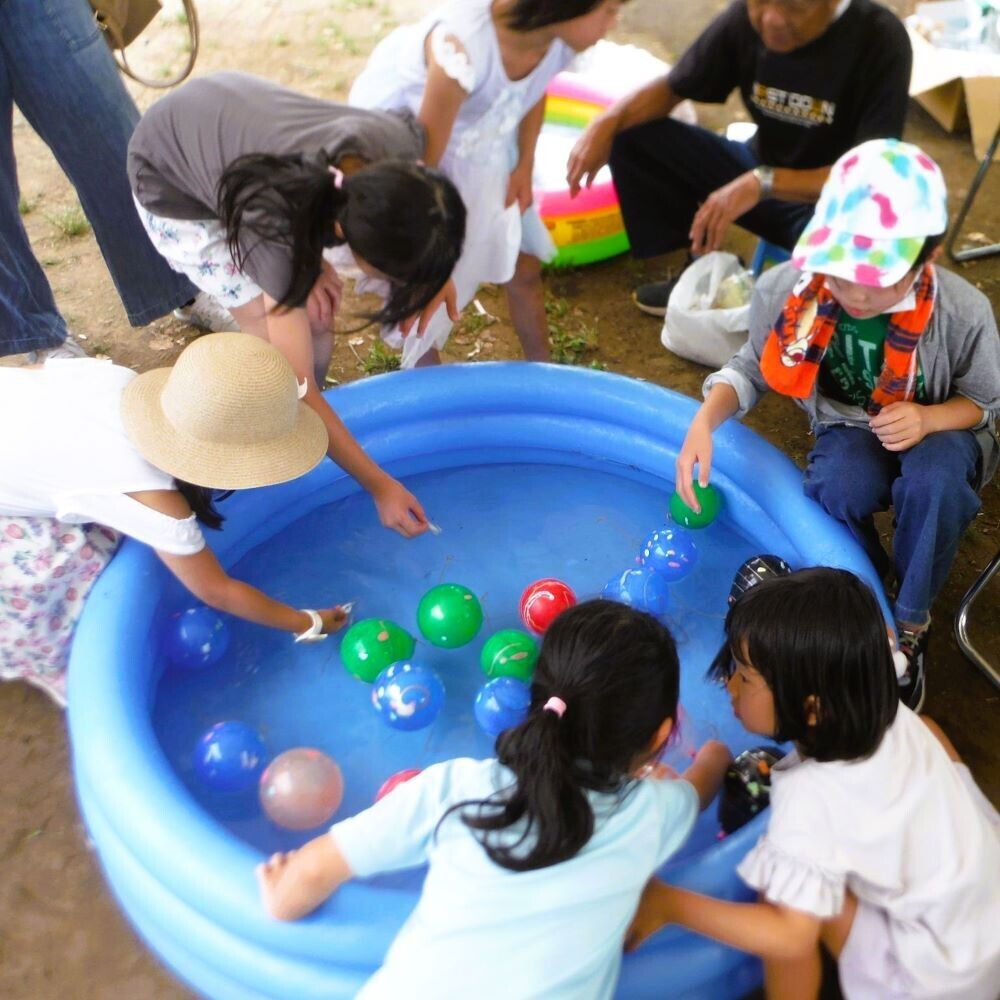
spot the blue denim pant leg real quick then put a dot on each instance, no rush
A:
(63, 78)
(850, 475)
(934, 500)
(663, 170)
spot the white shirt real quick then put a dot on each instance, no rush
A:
(481, 931)
(65, 454)
(902, 831)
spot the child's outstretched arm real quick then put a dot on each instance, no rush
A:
(294, 884)
(708, 770)
(721, 404)
(774, 932)
(398, 508)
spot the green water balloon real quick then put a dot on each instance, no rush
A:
(449, 615)
(509, 653)
(370, 645)
(710, 501)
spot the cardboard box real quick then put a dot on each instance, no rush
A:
(956, 88)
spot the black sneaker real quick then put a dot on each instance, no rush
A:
(652, 298)
(912, 687)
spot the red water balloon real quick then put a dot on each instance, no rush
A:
(542, 601)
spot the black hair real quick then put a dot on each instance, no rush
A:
(202, 501)
(931, 243)
(818, 638)
(617, 671)
(404, 219)
(527, 15)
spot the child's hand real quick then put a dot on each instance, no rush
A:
(334, 618)
(448, 295)
(324, 299)
(519, 187)
(652, 913)
(269, 874)
(399, 509)
(900, 425)
(696, 450)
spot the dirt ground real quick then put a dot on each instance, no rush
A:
(61, 934)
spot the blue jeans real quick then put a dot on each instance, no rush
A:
(665, 169)
(931, 488)
(56, 67)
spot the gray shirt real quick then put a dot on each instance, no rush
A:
(187, 139)
(958, 353)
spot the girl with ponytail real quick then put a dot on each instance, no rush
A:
(541, 854)
(242, 185)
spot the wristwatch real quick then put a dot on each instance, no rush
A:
(765, 178)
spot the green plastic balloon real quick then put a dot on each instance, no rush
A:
(370, 645)
(449, 615)
(509, 653)
(708, 497)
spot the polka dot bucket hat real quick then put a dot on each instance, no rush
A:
(879, 204)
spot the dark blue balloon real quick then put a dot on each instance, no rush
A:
(669, 551)
(641, 588)
(408, 695)
(501, 704)
(230, 757)
(196, 638)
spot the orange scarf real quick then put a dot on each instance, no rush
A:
(790, 362)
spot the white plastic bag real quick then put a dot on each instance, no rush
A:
(694, 327)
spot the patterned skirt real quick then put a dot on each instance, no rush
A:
(46, 570)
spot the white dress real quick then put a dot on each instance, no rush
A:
(482, 149)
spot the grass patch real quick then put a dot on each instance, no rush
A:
(280, 40)
(380, 359)
(25, 206)
(70, 221)
(573, 342)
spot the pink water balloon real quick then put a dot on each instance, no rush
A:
(301, 789)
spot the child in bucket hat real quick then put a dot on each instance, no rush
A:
(896, 363)
(140, 456)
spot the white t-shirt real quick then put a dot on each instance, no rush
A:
(65, 454)
(901, 831)
(481, 931)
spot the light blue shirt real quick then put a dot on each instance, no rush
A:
(481, 931)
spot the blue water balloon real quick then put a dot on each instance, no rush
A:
(196, 638)
(670, 551)
(501, 704)
(230, 757)
(640, 588)
(408, 695)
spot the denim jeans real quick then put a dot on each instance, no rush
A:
(930, 488)
(56, 67)
(665, 169)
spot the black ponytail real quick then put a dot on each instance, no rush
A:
(202, 501)
(406, 220)
(618, 673)
(528, 15)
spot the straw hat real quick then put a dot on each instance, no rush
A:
(226, 416)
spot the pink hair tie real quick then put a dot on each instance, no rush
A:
(338, 176)
(556, 705)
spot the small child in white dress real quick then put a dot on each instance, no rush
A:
(880, 846)
(475, 72)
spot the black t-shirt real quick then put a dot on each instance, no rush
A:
(815, 103)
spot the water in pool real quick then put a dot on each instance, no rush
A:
(503, 526)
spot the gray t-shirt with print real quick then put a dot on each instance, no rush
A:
(187, 139)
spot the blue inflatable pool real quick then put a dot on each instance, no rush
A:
(531, 471)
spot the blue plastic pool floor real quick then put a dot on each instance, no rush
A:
(503, 526)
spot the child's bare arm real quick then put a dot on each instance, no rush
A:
(760, 928)
(443, 96)
(708, 770)
(294, 884)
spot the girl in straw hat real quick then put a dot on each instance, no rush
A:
(242, 185)
(140, 456)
